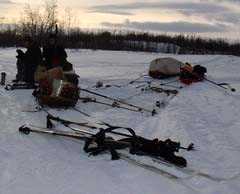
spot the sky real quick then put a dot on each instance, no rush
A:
(207, 18)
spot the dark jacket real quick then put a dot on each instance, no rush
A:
(54, 56)
(33, 58)
(33, 55)
(30, 61)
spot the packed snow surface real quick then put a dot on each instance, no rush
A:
(202, 113)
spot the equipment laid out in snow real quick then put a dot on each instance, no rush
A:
(63, 94)
(67, 123)
(139, 151)
(196, 73)
(166, 67)
(152, 151)
(99, 142)
(110, 144)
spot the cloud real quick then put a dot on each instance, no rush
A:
(183, 7)
(112, 11)
(202, 9)
(232, 18)
(5, 2)
(223, 1)
(179, 27)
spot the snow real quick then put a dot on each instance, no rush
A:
(201, 113)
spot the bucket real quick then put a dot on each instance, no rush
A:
(57, 87)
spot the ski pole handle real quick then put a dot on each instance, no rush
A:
(24, 130)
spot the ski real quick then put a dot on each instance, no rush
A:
(148, 167)
(160, 166)
(191, 172)
(138, 78)
(65, 122)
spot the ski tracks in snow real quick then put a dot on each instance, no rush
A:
(211, 120)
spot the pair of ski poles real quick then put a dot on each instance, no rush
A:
(153, 112)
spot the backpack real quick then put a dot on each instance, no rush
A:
(189, 74)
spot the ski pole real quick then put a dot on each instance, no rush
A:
(220, 84)
(91, 116)
(114, 105)
(131, 82)
(119, 101)
(215, 83)
(170, 82)
(171, 86)
(26, 130)
(65, 122)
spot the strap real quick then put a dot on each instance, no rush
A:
(101, 145)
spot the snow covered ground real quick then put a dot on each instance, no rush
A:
(201, 113)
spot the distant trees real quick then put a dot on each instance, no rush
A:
(130, 41)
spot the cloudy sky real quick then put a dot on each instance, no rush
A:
(211, 18)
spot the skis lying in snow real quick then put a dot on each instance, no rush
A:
(84, 136)
(67, 123)
(189, 172)
(155, 164)
(160, 166)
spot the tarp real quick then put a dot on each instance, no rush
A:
(164, 67)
